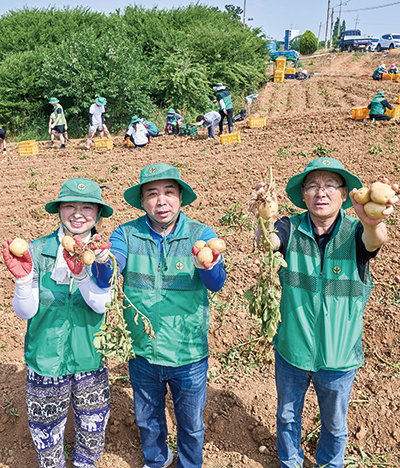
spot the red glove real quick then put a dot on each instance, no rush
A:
(74, 263)
(20, 267)
(208, 265)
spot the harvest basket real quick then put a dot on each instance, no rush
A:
(280, 63)
(290, 71)
(255, 122)
(359, 113)
(188, 129)
(388, 76)
(104, 143)
(28, 147)
(395, 112)
(279, 76)
(231, 138)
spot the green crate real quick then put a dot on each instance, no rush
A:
(188, 129)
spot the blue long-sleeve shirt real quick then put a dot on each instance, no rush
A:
(212, 279)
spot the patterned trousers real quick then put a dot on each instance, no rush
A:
(48, 401)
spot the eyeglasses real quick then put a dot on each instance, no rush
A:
(328, 189)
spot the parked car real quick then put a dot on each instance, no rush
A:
(388, 41)
(352, 40)
(372, 47)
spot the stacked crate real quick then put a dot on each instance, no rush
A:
(290, 73)
(279, 74)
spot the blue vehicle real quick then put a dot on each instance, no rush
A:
(352, 40)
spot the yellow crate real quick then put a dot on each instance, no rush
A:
(255, 122)
(398, 80)
(280, 63)
(395, 112)
(387, 76)
(290, 71)
(104, 143)
(359, 113)
(231, 138)
(279, 76)
(28, 147)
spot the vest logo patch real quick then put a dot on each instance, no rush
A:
(336, 270)
(81, 186)
(152, 170)
(325, 162)
(179, 266)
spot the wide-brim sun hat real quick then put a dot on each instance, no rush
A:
(381, 93)
(293, 187)
(135, 119)
(171, 111)
(152, 173)
(80, 190)
(101, 101)
(54, 100)
(218, 87)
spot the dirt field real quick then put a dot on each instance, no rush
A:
(304, 120)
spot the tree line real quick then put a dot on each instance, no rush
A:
(142, 60)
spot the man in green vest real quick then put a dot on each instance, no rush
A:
(166, 282)
(57, 121)
(378, 107)
(325, 288)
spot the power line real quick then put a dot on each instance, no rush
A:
(374, 8)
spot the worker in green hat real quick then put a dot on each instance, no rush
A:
(174, 121)
(137, 133)
(97, 120)
(224, 100)
(325, 288)
(168, 284)
(378, 107)
(57, 122)
(64, 307)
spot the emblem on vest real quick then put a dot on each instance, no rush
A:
(179, 266)
(336, 270)
(81, 187)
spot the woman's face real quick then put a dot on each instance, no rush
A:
(78, 217)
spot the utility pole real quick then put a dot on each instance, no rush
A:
(340, 13)
(355, 27)
(330, 42)
(319, 31)
(244, 14)
(327, 23)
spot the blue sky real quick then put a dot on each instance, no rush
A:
(272, 16)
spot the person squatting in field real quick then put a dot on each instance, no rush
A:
(57, 122)
(381, 70)
(64, 307)
(174, 120)
(210, 120)
(167, 284)
(325, 288)
(97, 120)
(137, 133)
(378, 106)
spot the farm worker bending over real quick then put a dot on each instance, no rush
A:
(377, 75)
(97, 120)
(174, 120)
(325, 287)
(225, 106)
(378, 107)
(137, 133)
(64, 307)
(210, 121)
(393, 69)
(154, 255)
(3, 146)
(57, 122)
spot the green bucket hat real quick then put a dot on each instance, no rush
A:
(135, 119)
(101, 101)
(159, 171)
(54, 100)
(80, 190)
(381, 94)
(218, 87)
(293, 188)
(171, 111)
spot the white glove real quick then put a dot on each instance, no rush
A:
(101, 255)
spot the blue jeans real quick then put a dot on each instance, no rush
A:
(333, 390)
(188, 388)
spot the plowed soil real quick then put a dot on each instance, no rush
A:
(304, 120)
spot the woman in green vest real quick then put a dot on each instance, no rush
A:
(64, 307)
(325, 288)
(378, 107)
(57, 122)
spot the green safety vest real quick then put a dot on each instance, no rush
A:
(322, 312)
(376, 72)
(59, 338)
(225, 95)
(55, 115)
(376, 106)
(169, 291)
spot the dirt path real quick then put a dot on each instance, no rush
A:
(304, 120)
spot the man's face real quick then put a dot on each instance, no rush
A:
(321, 204)
(161, 200)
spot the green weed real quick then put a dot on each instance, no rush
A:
(375, 150)
(236, 217)
(322, 152)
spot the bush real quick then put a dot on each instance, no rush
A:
(308, 43)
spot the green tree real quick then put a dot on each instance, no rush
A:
(308, 43)
(234, 11)
(295, 43)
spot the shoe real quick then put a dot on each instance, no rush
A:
(170, 459)
(87, 149)
(63, 147)
(52, 143)
(114, 145)
(67, 139)
(4, 151)
(209, 138)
